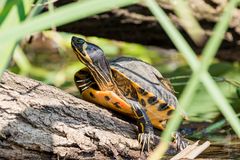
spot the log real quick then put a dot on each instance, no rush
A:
(39, 121)
(136, 24)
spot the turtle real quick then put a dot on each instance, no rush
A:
(126, 85)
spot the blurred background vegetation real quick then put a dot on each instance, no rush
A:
(46, 55)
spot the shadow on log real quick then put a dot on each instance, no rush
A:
(42, 122)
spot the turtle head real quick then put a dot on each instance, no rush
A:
(93, 57)
(87, 53)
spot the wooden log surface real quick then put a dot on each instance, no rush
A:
(42, 122)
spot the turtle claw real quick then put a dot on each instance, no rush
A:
(145, 139)
(180, 142)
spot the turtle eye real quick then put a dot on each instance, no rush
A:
(90, 49)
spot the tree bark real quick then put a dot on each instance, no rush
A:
(42, 122)
(136, 24)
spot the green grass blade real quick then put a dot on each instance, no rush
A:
(6, 9)
(172, 32)
(63, 15)
(7, 48)
(51, 10)
(37, 9)
(188, 21)
(188, 53)
(21, 10)
(21, 60)
(209, 52)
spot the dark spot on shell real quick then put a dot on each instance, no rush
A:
(116, 104)
(152, 100)
(107, 98)
(162, 106)
(30, 39)
(114, 75)
(127, 92)
(91, 94)
(169, 112)
(134, 94)
(143, 102)
(142, 91)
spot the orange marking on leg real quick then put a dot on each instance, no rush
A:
(108, 99)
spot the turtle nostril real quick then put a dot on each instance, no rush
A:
(74, 38)
(77, 40)
(81, 41)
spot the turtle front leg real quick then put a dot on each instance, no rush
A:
(146, 133)
(83, 81)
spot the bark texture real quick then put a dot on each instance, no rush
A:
(42, 122)
(136, 24)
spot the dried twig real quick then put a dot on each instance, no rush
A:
(192, 151)
(198, 150)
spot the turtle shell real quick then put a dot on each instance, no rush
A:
(146, 76)
(137, 81)
(140, 81)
